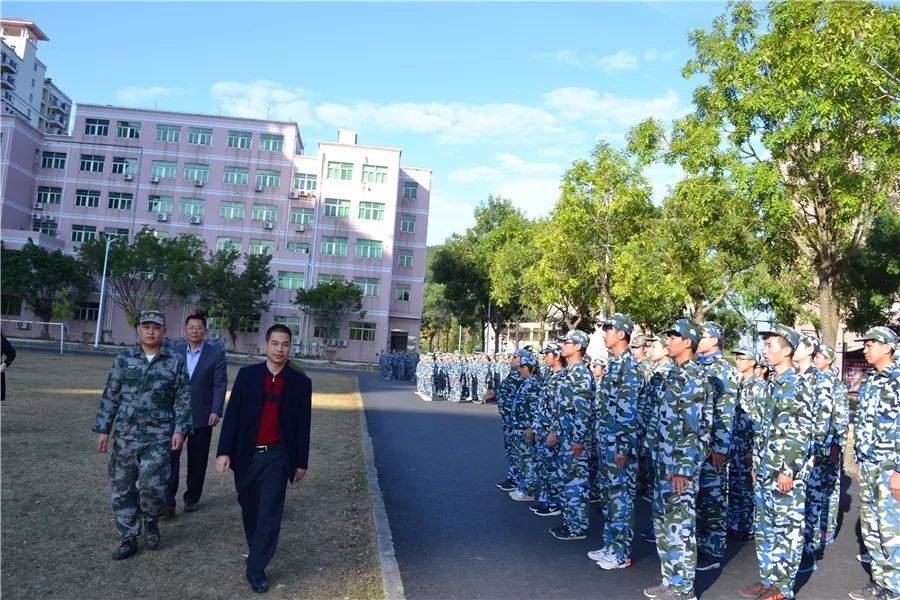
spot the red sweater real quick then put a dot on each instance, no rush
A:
(267, 432)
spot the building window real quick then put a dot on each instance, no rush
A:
(88, 198)
(271, 179)
(99, 127)
(298, 247)
(228, 242)
(192, 207)
(302, 216)
(271, 142)
(410, 188)
(329, 278)
(337, 208)
(160, 204)
(92, 163)
(53, 160)
(402, 294)
(333, 246)
(370, 286)
(88, 311)
(237, 175)
(322, 332)
(232, 210)
(405, 258)
(407, 224)
(362, 332)
(371, 211)
(120, 201)
(368, 249)
(163, 169)
(340, 170)
(200, 135)
(248, 325)
(264, 212)
(129, 130)
(50, 228)
(304, 181)
(262, 247)
(49, 195)
(124, 166)
(168, 133)
(291, 280)
(196, 172)
(292, 323)
(374, 174)
(116, 232)
(239, 139)
(83, 233)
(10, 305)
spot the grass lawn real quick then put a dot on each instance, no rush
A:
(58, 528)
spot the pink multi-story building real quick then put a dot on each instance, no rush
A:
(350, 211)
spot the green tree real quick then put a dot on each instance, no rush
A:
(873, 277)
(50, 284)
(330, 303)
(233, 294)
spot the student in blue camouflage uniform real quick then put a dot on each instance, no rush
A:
(782, 443)
(568, 434)
(616, 435)
(712, 495)
(840, 420)
(454, 379)
(683, 428)
(384, 365)
(877, 449)
(523, 407)
(595, 486)
(504, 395)
(751, 392)
(547, 491)
(148, 397)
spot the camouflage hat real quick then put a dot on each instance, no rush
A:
(685, 329)
(620, 321)
(521, 352)
(789, 335)
(552, 348)
(827, 351)
(652, 338)
(712, 329)
(748, 351)
(814, 342)
(638, 341)
(599, 362)
(577, 336)
(880, 334)
(152, 316)
(527, 359)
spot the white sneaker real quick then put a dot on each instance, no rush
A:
(598, 554)
(609, 562)
(520, 496)
(864, 558)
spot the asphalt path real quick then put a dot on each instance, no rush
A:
(456, 536)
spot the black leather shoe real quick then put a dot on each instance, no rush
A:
(167, 512)
(188, 507)
(126, 548)
(260, 586)
(151, 535)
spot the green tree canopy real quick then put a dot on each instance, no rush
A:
(330, 303)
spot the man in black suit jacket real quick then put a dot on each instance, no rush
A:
(208, 371)
(265, 441)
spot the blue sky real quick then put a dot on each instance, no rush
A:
(493, 97)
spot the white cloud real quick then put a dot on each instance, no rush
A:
(536, 196)
(662, 177)
(447, 216)
(652, 54)
(264, 100)
(606, 110)
(143, 97)
(565, 57)
(623, 60)
(506, 165)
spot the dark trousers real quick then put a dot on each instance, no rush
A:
(261, 496)
(197, 459)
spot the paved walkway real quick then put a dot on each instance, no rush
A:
(457, 536)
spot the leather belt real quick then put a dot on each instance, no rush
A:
(269, 448)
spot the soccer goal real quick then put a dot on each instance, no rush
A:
(23, 325)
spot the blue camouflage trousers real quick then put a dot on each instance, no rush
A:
(510, 446)
(817, 498)
(618, 508)
(674, 520)
(544, 465)
(740, 494)
(879, 516)
(526, 464)
(832, 487)
(779, 533)
(571, 482)
(712, 509)
(138, 476)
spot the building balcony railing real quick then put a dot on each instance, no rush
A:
(7, 81)
(9, 64)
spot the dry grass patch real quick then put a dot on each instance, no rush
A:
(57, 525)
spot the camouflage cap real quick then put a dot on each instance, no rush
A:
(880, 334)
(652, 338)
(527, 359)
(577, 336)
(827, 351)
(712, 329)
(152, 316)
(620, 321)
(638, 341)
(599, 362)
(685, 329)
(789, 335)
(748, 351)
(814, 342)
(552, 348)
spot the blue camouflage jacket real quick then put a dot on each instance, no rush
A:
(617, 405)
(876, 428)
(685, 420)
(574, 396)
(724, 397)
(782, 428)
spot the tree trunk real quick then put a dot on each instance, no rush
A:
(233, 335)
(828, 311)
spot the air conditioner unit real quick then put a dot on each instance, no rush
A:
(314, 344)
(268, 225)
(293, 195)
(38, 206)
(300, 228)
(198, 183)
(305, 251)
(36, 216)
(24, 325)
(49, 217)
(342, 343)
(303, 192)
(128, 176)
(154, 180)
(162, 217)
(257, 188)
(196, 220)
(312, 194)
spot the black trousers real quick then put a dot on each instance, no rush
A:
(261, 492)
(197, 459)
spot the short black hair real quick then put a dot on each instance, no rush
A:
(196, 316)
(279, 328)
(627, 336)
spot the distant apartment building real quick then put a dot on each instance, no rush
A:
(349, 211)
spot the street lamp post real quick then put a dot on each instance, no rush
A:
(109, 240)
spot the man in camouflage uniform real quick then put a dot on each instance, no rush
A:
(522, 410)
(569, 434)
(595, 483)
(877, 449)
(616, 436)
(454, 378)
(750, 392)
(384, 365)
(545, 463)
(148, 397)
(831, 476)
(504, 395)
(782, 444)
(684, 421)
(712, 495)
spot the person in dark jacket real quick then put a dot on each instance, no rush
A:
(9, 355)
